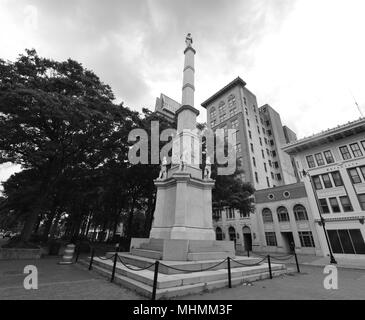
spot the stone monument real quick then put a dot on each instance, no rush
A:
(182, 227)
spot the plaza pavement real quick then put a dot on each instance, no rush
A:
(71, 282)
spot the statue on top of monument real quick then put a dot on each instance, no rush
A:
(189, 40)
(208, 169)
(163, 171)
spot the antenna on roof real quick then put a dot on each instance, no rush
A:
(357, 105)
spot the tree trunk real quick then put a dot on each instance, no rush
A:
(54, 226)
(47, 226)
(29, 226)
(130, 220)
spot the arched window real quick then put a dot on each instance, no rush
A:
(213, 112)
(283, 215)
(221, 107)
(219, 233)
(232, 234)
(300, 213)
(267, 215)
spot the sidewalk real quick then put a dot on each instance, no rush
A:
(58, 282)
(312, 260)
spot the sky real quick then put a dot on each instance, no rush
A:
(305, 58)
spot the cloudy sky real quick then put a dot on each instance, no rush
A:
(303, 57)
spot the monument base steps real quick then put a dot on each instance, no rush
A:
(172, 283)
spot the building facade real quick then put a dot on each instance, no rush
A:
(166, 107)
(334, 176)
(259, 135)
(284, 221)
(259, 138)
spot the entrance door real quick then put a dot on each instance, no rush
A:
(288, 242)
(247, 238)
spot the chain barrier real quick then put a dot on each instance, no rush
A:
(201, 270)
(135, 269)
(249, 265)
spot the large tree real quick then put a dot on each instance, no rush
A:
(57, 118)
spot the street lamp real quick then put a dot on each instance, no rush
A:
(323, 223)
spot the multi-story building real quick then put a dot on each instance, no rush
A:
(334, 176)
(284, 221)
(259, 137)
(166, 107)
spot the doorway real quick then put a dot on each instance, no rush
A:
(247, 238)
(288, 242)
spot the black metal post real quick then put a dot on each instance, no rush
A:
(115, 261)
(332, 258)
(229, 272)
(92, 258)
(296, 261)
(157, 263)
(77, 253)
(248, 252)
(269, 262)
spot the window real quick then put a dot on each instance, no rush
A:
(329, 157)
(258, 130)
(326, 180)
(232, 112)
(213, 123)
(283, 215)
(257, 119)
(268, 152)
(276, 164)
(269, 132)
(230, 213)
(256, 177)
(346, 204)
(324, 206)
(362, 201)
(235, 124)
(334, 205)
(346, 241)
(239, 162)
(306, 239)
(267, 216)
(273, 153)
(263, 154)
(245, 101)
(363, 144)
(252, 149)
(272, 142)
(213, 113)
(319, 159)
(223, 117)
(354, 175)
(248, 122)
(254, 108)
(272, 175)
(260, 141)
(270, 163)
(239, 148)
(246, 111)
(218, 234)
(268, 182)
(221, 107)
(317, 182)
(300, 213)
(337, 179)
(250, 134)
(362, 169)
(265, 140)
(232, 101)
(278, 177)
(345, 153)
(356, 151)
(265, 167)
(254, 161)
(271, 239)
(310, 161)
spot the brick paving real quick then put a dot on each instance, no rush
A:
(57, 282)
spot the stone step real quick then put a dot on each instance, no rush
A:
(156, 255)
(149, 246)
(208, 255)
(143, 262)
(167, 281)
(185, 289)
